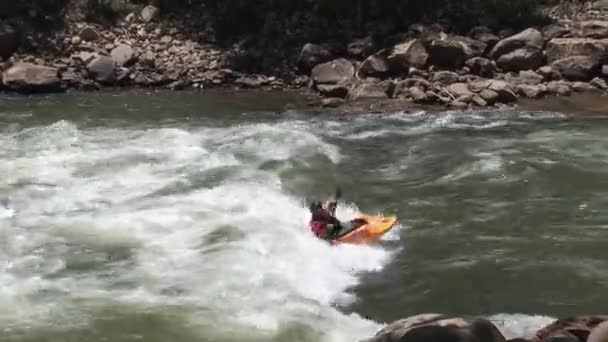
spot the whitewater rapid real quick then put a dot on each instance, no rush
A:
(196, 221)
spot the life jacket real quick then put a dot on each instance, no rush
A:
(320, 220)
(319, 228)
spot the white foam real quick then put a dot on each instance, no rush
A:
(237, 251)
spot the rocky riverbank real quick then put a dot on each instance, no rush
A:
(442, 328)
(425, 65)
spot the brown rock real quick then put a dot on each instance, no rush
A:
(599, 333)
(88, 34)
(577, 68)
(481, 66)
(490, 96)
(31, 78)
(445, 77)
(560, 48)
(368, 90)
(408, 54)
(337, 71)
(529, 91)
(454, 51)
(522, 51)
(559, 87)
(530, 77)
(591, 29)
(459, 89)
(549, 73)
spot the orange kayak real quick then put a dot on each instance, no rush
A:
(375, 227)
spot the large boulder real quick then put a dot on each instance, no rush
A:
(591, 29)
(123, 55)
(522, 51)
(148, 13)
(313, 54)
(580, 326)
(375, 65)
(102, 69)
(577, 68)
(560, 48)
(453, 51)
(438, 328)
(32, 78)
(599, 333)
(408, 54)
(8, 41)
(337, 71)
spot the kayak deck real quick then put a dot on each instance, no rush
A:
(375, 227)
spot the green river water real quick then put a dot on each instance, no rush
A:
(182, 217)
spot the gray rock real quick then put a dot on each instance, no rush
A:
(375, 65)
(559, 87)
(337, 71)
(149, 59)
(599, 83)
(31, 78)
(76, 40)
(481, 66)
(459, 89)
(577, 68)
(529, 91)
(490, 96)
(549, 73)
(123, 55)
(555, 31)
(561, 336)
(530, 77)
(101, 68)
(368, 90)
(591, 29)
(89, 34)
(333, 90)
(445, 77)
(522, 51)
(332, 102)
(454, 51)
(418, 95)
(582, 87)
(599, 333)
(408, 54)
(148, 13)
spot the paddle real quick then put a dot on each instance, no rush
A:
(338, 194)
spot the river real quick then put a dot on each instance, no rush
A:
(182, 217)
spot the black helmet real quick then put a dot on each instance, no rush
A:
(315, 206)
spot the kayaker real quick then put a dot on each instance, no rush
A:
(323, 222)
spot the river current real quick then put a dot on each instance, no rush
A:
(182, 217)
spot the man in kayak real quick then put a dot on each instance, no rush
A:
(323, 222)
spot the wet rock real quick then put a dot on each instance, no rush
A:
(177, 85)
(333, 90)
(549, 73)
(445, 77)
(337, 71)
(555, 31)
(481, 66)
(522, 51)
(101, 68)
(368, 90)
(454, 51)
(122, 74)
(529, 91)
(407, 54)
(251, 81)
(580, 326)
(591, 29)
(332, 102)
(360, 48)
(530, 77)
(88, 34)
(561, 48)
(559, 87)
(375, 66)
(599, 83)
(123, 55)
(561, 336)
(8, 41)
(312, 55)
(459, 89)
(148, 13)
(505, 91)
(31, 78)
(577, 68)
